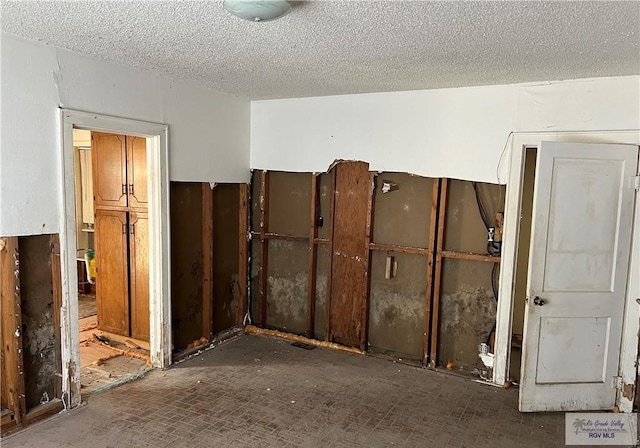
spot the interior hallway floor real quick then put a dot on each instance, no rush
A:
(264, 392)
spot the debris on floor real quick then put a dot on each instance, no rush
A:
(104, 361)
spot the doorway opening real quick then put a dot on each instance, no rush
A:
(156, 228)
(522, 265)
(112, 257)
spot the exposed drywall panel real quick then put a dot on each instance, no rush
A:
(401, 217)
(456, 133)
(41, 353)
(465, 230)
(186, 263)
(208, 131)
(396, 305)
(226, 281)
(287, 286)
(467, 312)
(289, 203)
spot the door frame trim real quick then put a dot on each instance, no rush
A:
(519, 141)
(159, 240)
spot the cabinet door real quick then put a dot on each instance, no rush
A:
(109, 156)
(139, 265)
(112, 279)
(137, 172)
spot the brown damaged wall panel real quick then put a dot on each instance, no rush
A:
(287, 286)
(350, 257)
(226, 281)
(41, 353)
(289, 203)
(186, 263)
(401, 217)
(467, 312)
(465, 231)
(396, 306)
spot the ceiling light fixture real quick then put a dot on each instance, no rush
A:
(257, 10)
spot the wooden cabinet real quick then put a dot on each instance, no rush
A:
(119, 171)
(121, 234)
(137, 173)
(139, 266)
(112, 279)
(109, 154)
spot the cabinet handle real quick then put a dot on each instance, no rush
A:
(124, 229)
(124, 188)
(132, 229)
(131, 189)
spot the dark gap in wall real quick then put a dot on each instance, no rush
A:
(41, 350)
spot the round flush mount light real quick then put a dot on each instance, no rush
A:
(257, 10)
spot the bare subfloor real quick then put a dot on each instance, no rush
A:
(263, 392)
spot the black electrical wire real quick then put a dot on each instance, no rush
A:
(494, 288)
(481, 209)
(485, 219)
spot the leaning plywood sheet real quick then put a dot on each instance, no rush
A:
(41, 351)
(350, 257)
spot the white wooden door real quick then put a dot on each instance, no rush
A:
(578, 265)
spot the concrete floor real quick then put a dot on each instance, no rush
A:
(263, 392)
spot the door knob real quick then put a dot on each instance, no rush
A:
(538, 301)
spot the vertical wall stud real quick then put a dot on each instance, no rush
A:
(243, 231)
(435, 198)
(367, 292)
(313, 258)
(207, 259)
(264, 228)
(437, 278)
(56, 279)
(13, 368)
(332, 202)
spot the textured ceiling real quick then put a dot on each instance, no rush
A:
(336, 47)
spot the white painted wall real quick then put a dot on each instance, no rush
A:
(458, 133)
(208, 131)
